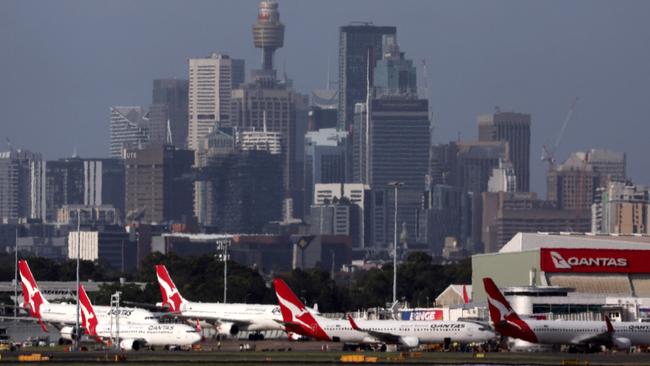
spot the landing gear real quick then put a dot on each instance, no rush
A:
(256, 337)
(587, 348)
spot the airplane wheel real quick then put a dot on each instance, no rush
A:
(382, 348)
(261, 337)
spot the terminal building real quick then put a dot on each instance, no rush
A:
(571, 276)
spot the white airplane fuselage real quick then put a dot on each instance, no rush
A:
(424, 331)
(151, 334)
(573, 332)
(256, 316)
(64, 313)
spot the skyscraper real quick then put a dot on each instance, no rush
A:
(266, 103)
(513, 128)
(104, 183)
(174, 94)
(159, 183)
(325, 160)
(21, 185)
(211, 82)
(129, 129)
(394, 74)
(397, 149)
(157, 122)
(64, 185)
(255, 105)
(621, 208)
(356, 42)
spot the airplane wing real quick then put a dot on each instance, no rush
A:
(147, 306)
(604, 338)
(381, 336)
(234, 321)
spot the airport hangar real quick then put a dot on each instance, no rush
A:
(570, 275)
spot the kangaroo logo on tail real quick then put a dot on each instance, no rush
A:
(505, 319)
(88, 316)
(295, 314)
(32, 297)
(170, 295)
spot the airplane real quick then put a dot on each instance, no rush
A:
(231, 318)
(63, 315)
(407, 334)
(134, 336)
(587, 335)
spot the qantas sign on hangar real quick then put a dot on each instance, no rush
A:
(591, 264)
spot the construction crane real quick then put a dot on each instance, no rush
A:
(548, 155)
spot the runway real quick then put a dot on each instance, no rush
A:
(312, 353)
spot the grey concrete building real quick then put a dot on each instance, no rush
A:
(64, 185)
(514, 128)
(21, 185)
(246, 190)
(159, 184)
(447, 212)
(325, 160)
(508, 213)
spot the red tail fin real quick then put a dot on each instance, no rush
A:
(465, 295)
(505, 319)
(31, 294)
(88, 316)
(294, 313)
(170, 295)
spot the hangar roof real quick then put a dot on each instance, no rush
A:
(530, 241)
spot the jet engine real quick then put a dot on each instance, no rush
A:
(227, 329)
(410, 342)
(130, 344)
(67, 333)
(622, 343)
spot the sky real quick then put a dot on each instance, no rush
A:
(64, 63)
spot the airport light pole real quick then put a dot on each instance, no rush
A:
(396, 186)
(77, 330)
(222, 246)
(16, 278)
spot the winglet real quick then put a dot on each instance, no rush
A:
(610, 327)
(353, 324)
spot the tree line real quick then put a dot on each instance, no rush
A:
(201, 279)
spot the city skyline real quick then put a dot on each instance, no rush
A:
(593, 51)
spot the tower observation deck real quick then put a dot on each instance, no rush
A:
(268, 32)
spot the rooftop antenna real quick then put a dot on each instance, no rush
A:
(9, 145)
(74, 152)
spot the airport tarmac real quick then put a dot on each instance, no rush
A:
(312, 353)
